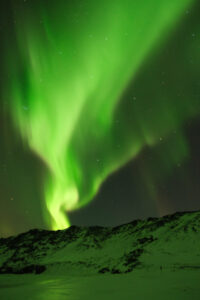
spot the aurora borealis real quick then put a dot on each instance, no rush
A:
(81, 87)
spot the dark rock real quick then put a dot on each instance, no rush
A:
(104, 270)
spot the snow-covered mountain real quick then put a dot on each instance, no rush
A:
(170, 242)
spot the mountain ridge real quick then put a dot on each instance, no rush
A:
(171, 241)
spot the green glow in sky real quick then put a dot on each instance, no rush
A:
(68, 77)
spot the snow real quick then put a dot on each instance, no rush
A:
(139, 285)
(157, 258)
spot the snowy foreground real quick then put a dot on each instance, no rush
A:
(157, 258)
(138, 285)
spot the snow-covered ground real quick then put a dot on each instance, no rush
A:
(139, 285)
(171, 242)
(157, 258)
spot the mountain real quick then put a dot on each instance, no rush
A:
(170, 242)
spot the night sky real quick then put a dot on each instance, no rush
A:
(99, 111)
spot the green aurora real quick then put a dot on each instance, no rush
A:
(73, 65)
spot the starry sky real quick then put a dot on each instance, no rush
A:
(99, 112)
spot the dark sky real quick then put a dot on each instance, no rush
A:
(149, 184)
(124, 196)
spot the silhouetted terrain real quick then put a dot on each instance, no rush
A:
(171, 242)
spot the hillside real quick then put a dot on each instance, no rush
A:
(171, 242)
